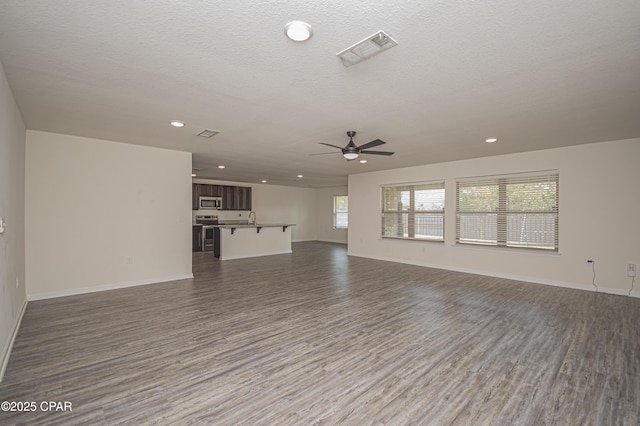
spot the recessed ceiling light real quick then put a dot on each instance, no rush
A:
(177, 123)
(221, 166)
(264, 181)
(363, 161)
(298, 30)
(491, 140)
(193, 175)
(300, 176)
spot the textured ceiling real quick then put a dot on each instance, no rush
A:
(534, 74)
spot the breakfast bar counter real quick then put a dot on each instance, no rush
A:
(237, 241)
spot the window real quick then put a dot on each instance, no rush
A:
(413, 211)
(509, 211)
(340, 212)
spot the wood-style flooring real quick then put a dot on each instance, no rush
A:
(317, 337)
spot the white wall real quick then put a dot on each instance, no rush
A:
(599, 210)
(278, 204)
(324, 210)
(12, 257)
(103, 215)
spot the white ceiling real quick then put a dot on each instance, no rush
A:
(536, 74)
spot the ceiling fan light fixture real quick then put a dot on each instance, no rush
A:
(298, 30)
(350, 155)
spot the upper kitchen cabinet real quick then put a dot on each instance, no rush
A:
(229, 198)
(203, 190)
(236, 198)
(213, 190)
(233, 197)
(195, 195)
(244, 198)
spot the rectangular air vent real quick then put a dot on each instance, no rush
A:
(366, 48)
(207, 133)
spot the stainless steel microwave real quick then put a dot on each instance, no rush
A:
(210, 203)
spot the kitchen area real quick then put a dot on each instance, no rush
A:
(224, 224)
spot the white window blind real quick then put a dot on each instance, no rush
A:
(413, 211)
(340, 211)
(509, 211)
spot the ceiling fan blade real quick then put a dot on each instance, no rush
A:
(325, 153)
(328, 144)
(377, 152)
(371, 144)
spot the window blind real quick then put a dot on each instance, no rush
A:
(340, 211)
(413, 211)
(509, 211)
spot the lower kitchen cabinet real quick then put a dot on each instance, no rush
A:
(197, 238)
(216, 243)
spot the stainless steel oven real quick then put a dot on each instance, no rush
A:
(208, 230)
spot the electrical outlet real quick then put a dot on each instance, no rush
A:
(631, 270)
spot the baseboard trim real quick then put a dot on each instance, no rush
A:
(6, 351)
(534, 280)
(222, 258)
(106, 287)
(344, 243)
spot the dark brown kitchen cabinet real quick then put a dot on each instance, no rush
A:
(197, 238)
(210, 190)
(236, 198)
(216, 190)
(229, 198)
(195, 195)
(203, 190)
(244, 198)
(233, 197)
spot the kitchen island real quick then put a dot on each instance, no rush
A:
(237, 241)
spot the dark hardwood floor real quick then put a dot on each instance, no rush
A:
(316, 337)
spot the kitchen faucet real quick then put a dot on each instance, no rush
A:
(251, 221)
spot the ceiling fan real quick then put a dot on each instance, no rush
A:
(352, 151)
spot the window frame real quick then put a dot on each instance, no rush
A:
(412, 213)
(542, 222)
(336, 212)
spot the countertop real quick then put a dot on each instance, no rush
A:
(223, 222)
(244, 224)
(256, 225)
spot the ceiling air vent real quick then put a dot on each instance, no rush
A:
(366, 48)
(207, 133)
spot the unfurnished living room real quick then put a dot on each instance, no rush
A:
(297, 212)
